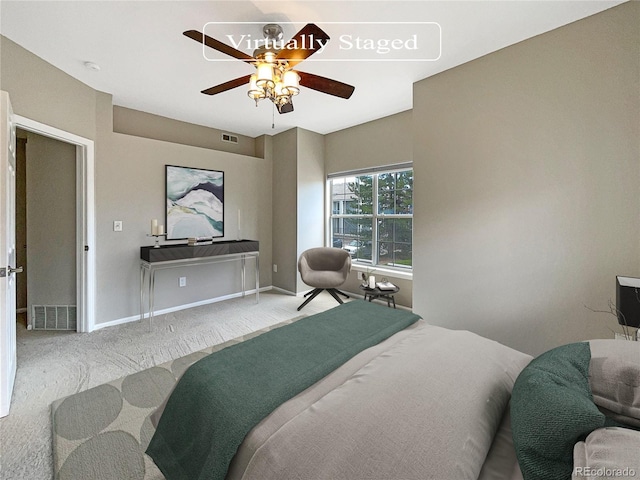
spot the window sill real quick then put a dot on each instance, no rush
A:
(382, 271)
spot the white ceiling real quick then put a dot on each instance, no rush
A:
(147, 64)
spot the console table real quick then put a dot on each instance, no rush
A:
(174, 256)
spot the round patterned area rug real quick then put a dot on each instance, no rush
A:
(102, 433)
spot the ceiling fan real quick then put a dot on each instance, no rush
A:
(275, 78)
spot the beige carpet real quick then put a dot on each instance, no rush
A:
(102, 433)
(54, 365)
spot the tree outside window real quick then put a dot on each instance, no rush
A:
(374, 221)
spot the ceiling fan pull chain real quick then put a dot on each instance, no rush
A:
(273, 115)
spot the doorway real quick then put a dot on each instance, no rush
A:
(84, 245)
(45, 232)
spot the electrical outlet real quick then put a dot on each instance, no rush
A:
(275, 268)
(117, 225)
(182, 281)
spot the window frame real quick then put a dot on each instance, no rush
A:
(374, 216)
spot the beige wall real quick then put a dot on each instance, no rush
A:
(129, 176)
(132, 189)
(311, 182)
(298, 202)
(285, 205)
(146, 125)
(40, 91)
(50, 221)
(130, 186)
(380, 142)
(527, 166)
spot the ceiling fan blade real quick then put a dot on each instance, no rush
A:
(303, 44)
(218, 45)
(325, 85)
(223, 87)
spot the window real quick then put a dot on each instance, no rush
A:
(372, 216)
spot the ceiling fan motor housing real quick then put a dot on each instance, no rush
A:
(273, 35)
(272, 31)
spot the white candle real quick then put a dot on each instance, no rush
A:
(160, 229)
(154, 226)
(372, 281)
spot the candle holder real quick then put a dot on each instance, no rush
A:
(157, 237)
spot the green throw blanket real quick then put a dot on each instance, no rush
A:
(222, 397)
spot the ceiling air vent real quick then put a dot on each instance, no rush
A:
(227, 137)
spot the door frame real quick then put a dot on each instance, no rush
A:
(85, 216)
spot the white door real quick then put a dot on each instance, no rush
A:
(7, 253)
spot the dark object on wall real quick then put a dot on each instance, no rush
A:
(195, 202)
(628, 301)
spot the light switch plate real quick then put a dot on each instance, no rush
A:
(117, 225)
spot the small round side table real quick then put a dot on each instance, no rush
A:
(376, 293)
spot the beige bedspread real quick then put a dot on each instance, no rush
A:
(424, 404)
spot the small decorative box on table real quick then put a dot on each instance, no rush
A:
(172, 256)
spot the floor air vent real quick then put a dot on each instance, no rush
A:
(54, 317)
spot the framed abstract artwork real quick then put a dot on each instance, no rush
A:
(195, 202)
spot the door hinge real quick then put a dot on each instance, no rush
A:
(86, 248)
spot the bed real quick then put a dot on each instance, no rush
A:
(423, 402)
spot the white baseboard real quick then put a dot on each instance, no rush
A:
(282, 290)
(135, 318)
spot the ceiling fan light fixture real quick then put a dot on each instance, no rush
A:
(291, 82)
(255, 92)
(281, 94)
(264, 76)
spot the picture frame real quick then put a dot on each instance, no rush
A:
(194, 202)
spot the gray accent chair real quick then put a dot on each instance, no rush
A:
(324, 268)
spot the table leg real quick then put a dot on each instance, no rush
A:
(152, 282)
(257, 278)
(243, 274)
(141, 292)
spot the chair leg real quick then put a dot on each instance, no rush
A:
(313, 294)
(333, 293)
(342, 293)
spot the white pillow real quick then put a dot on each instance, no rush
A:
(614, 378)
(610, 452)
